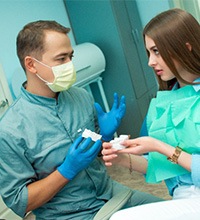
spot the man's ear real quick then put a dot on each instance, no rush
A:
(189, 46)
(30, 64)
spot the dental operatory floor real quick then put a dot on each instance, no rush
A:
(135, 181)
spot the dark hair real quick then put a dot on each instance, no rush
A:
(171, 31)
(30, 40)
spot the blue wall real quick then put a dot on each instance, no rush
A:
(14, 14)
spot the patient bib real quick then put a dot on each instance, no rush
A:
(174, 118)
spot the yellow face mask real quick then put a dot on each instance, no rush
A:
(64, 76)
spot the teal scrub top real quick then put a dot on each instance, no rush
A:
(35, 135)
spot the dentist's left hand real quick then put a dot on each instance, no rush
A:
(110, 121)
(78, 158)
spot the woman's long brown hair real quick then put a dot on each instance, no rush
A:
(172, 31)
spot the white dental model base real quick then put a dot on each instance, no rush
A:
(94, 136)
(116, 143)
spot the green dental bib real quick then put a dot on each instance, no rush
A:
(174, 118)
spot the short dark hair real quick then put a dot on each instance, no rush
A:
(30, 40)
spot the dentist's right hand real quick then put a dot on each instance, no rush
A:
(78, 158)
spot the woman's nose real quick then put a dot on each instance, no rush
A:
(151, 62)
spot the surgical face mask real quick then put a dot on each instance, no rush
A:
(64, 76)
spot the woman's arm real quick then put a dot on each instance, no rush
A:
(143, 145)
(136, 148)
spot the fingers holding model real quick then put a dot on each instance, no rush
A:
(109, 153)
(79, 156)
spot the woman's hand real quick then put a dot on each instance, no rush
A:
(142, 145)
(109, 153)
(113, 156)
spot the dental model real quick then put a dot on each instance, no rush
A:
(94, 136)
(116, 143)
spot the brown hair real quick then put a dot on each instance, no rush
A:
(30, 40)
(171, 31)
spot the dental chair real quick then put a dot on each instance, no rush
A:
(113, 205)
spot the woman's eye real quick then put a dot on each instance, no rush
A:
(156, 51)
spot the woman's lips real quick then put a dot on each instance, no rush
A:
(159, 72)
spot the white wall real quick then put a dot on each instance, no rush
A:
(14, 14)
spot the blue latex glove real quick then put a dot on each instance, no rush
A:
(109, 122)
(79, 157)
